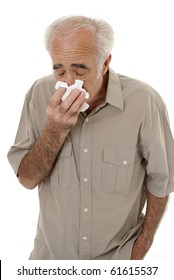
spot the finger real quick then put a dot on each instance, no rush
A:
(77, 105)
(72, 102)
(56, 98)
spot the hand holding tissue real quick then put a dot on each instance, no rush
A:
(78, 84)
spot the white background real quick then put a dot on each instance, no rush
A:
(143, 49)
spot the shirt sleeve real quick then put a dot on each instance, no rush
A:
(158, 149)
(26, 135)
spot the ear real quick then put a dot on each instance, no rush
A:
(106, 64)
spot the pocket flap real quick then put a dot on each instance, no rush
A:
(120, 156)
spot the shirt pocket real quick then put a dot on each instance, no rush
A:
(117, 168)
(61, 173)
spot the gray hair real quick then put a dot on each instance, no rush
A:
(103, 32)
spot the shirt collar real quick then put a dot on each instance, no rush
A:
(114, 95)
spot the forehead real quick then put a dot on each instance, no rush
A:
(78, 46)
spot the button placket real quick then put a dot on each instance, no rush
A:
(85, 189)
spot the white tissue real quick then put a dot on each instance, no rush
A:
(77, 84)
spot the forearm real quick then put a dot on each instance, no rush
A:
(154, 212)
(38, 162)
(62, 116)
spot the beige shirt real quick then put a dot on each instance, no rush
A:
(91, 203)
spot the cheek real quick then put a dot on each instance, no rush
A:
(93, 85)
(58, 78)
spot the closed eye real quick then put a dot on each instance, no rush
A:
(79, 74)
(61, 74)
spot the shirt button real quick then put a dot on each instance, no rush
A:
(85, 150)
(85, 180)
(125, 162)
(84, 238)
(87, 119)
(85, 210)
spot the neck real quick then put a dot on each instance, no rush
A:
(101, 95)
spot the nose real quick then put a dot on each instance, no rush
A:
(69, 79)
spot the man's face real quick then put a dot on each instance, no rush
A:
(74, 57)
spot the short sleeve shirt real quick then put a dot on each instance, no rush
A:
(91, 203)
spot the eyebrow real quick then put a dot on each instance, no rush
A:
(79, 65)
(76, 65)
(57, 66)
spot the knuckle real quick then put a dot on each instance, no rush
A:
(62, 108)
(72, 110)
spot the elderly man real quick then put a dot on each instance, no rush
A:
(94, 169)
